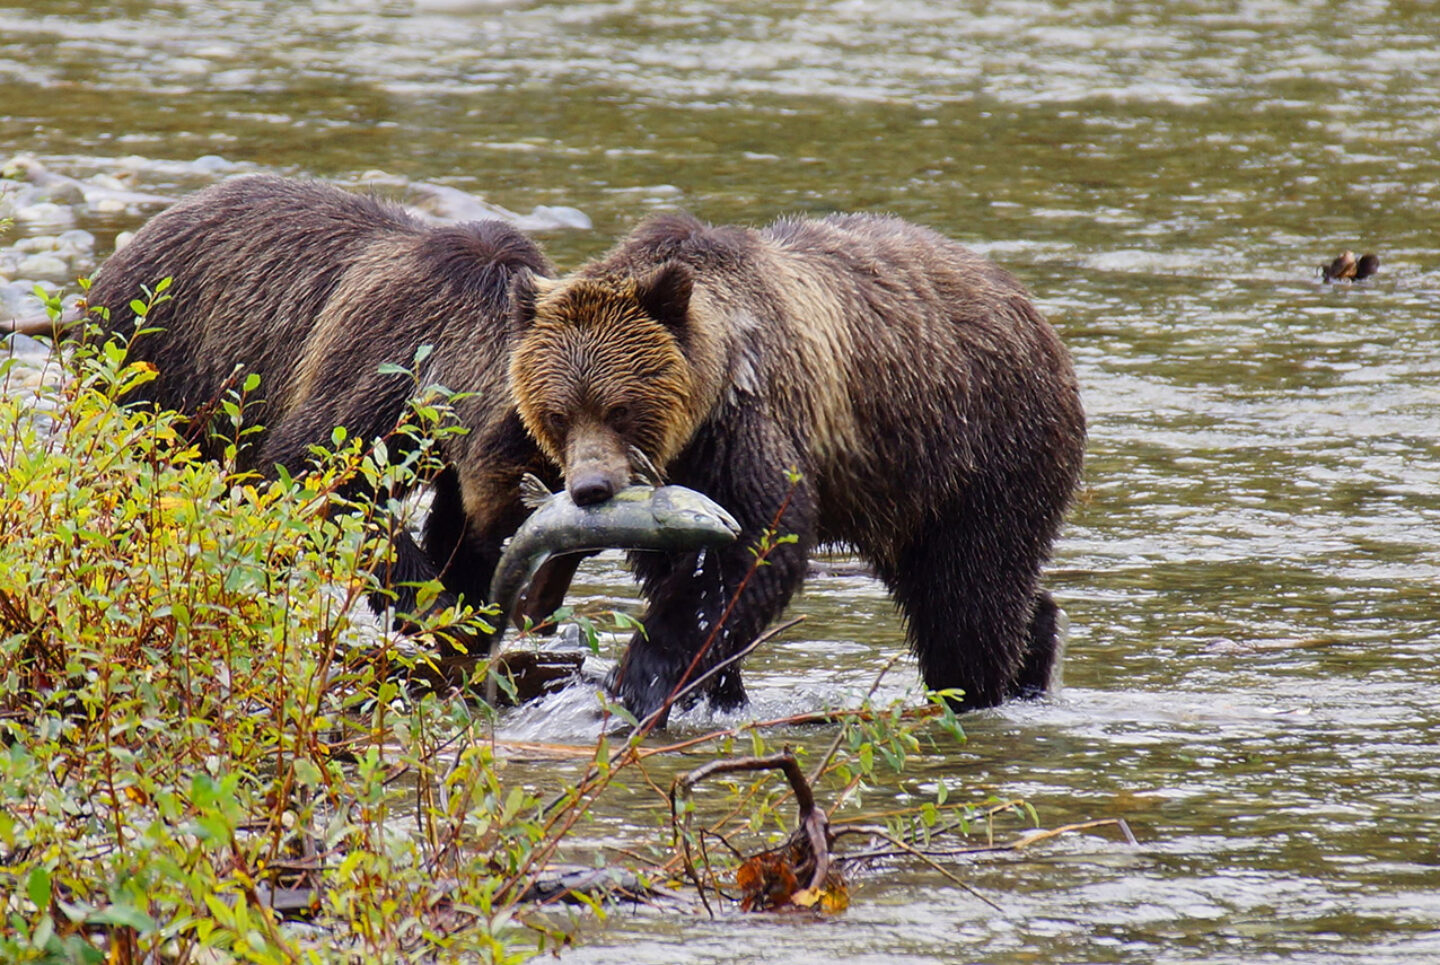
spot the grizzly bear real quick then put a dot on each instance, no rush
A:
(313, 288)
(931, 413)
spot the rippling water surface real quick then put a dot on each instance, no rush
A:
(1250, 574)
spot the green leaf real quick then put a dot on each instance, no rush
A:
(252, 381)
(37, 886)
(425, 594)
(422, 353)
(893, 758)
(390, 368)
(513, 802)
(125, 915)
(44, 932)
(507, 686)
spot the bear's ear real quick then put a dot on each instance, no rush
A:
(665, 295)
(525, 288)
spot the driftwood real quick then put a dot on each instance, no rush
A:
(42, 325)
(565, 884)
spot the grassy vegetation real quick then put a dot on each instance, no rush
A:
(206, 756)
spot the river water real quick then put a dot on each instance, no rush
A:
(1250, 573)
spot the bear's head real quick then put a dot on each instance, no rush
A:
(600, 364)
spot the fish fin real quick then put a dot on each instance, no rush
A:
(533, 492)
(645, 470)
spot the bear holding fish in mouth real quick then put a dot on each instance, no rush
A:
(931, 416)
(854, 380)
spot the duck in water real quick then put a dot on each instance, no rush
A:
(1347, 268)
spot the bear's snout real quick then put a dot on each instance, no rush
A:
(590, 489)
(596, 463)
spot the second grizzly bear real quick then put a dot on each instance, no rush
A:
(932, 414)
(313, 288)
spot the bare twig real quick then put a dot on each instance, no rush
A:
(914, 852)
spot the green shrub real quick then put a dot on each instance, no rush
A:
(193, 719)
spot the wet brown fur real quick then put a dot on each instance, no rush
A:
(933, 414)
(313, 288)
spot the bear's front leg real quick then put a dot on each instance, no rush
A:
(708, 606)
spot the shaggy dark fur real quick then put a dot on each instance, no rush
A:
(313, 288)
(932, 413)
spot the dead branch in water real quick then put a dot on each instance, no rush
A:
(770, 880)
(1019, 844)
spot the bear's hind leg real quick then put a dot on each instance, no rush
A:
(1043, 649)
(967, 590)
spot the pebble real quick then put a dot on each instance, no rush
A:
(17, 299)
(62, 192)
(30, 370)
(562, 216)
(25, 346)
(46, 266)
(213, 164)
(38, 243)
(46, 213)
(77, 240)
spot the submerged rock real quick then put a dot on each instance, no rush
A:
(61, 189)
(23, 346)
(441, 202)
(47, 266)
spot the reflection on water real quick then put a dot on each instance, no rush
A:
(1250, 572)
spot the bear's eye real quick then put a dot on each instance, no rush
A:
(556, 422)
(619, 415)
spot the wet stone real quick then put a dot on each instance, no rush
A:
(17, 298)
(23, 346)
(76, 241)
(62, 193)
(44, 266)
(213, 164)
(46, 213)
(38, 243)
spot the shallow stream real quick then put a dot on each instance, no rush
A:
(1250, 574)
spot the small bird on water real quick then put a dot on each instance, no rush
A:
(1346, 268)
